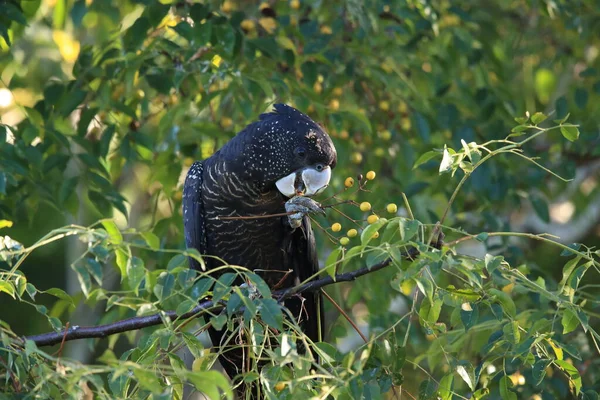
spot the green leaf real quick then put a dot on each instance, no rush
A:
(570, 132)
(520, 128)
(538, 117)
(122, 258)
(164, 286)
(152, 240)
(430, 311)
(270, 312)
(569, 321)
(61, 294)
(223, 286)
(573, 373)
(505, 386)
(212, 384)
(504, 299)
(60, 14)
(445, 388)
(511, 332)
(425, 157)
(367, 234)
(8, 288)
(135, 273)
(94, 268)
(539, 371)
(467, 373)
(147, 379)
(426, 287)
(568, 253)
(136, 34)
(67, 189)
(85, 281)
(558, 351)
(408, 228)
(566, 274)
(113, 232)
(427, 390)
(177, 260)
(200, 288)
(332, 261)
(260, 284)
(540, 205)
(482, 237)
(492, 262)
(185, 306)
(469, 317)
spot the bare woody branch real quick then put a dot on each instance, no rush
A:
(102, 331)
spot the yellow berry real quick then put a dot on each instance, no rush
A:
(372, 219)
(405, 124)
(344, 241)
(188, 161)
(295, 4)
(279, 386)
(326, 30)
(336, 227)
(352, 233)
(379, 152)
(365, 206)
(248, 25)
(227, 6)
(375, 235)
(402, 107)
(226, 122)
(385, 135)
(344, 134)
(392, 208)
(338, 91)
(349, 182)
(371, 175)
(318, 88)
(269, 24)
(356, 157)
(334, 104)
(263, 5)
(384, 105)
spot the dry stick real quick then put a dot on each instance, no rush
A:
(227, 217)
(337, 306)
(62, 343)
(14, 380)
(364, 338)
(224, 217)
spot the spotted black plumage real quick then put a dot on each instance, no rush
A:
(240, 180)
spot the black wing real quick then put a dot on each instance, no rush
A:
(193, 212)
(301, 256)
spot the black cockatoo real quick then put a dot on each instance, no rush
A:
(272, 166)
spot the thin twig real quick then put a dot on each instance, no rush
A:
(337, 306)
(224, 217)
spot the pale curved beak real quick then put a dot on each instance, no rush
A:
(304, 182)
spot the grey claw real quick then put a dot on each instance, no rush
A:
(303, 204)
(300, 206)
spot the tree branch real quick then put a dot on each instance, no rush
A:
(102, 331)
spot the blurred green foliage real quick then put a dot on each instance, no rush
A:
(104, 104)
